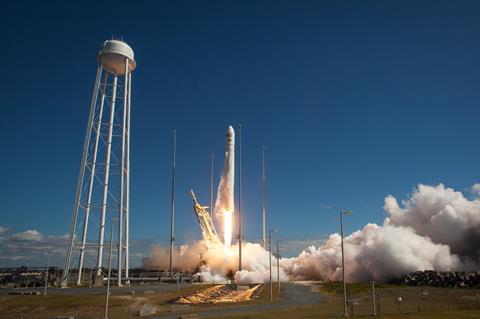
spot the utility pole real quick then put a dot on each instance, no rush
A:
(172, 221)
(373, 300)
(345, 311)
(264, 198)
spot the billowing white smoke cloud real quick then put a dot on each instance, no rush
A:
(221, 262)
(437, 228)
(374, 252)
(444, 215)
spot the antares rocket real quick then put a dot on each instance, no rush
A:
(224, 204)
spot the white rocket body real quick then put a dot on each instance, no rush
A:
(225, 204)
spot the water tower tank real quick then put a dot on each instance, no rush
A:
(113, 55)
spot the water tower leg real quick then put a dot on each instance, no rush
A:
(92, 179)
(127, 190)
(86, 144)
(122, 178)
(105, 181)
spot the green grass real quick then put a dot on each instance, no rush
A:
(435, 303)
(337, 287)
(310, 313)
(85, 306)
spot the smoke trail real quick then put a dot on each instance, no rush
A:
(437, 229)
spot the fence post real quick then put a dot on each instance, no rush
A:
(333, 305)
(379, 307)
(448, 300)
(298, 308)
(418, 300)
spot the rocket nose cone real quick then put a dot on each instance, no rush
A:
(230, 131)
(230, 135)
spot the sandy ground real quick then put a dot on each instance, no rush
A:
(221, 294)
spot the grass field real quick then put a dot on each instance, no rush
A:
(86, 306)
(416, 304)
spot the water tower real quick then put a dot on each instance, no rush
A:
(102, 194)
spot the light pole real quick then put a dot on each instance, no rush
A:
(270, 259)
(345, 312)
(211, 188)
(373, 300)
(46, 276)
(179, 252)
(172, 219)
(264, 198)
(278, 265)
(109, 269)
(240, 215)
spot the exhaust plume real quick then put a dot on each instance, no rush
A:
(436, 228)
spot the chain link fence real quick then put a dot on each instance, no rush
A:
(405, 301)
(386, 301)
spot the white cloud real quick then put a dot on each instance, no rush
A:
(475, 189)
(28, 235)
(4, 230)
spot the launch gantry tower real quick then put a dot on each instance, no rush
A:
(205, 221)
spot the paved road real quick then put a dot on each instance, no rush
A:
(293, 294)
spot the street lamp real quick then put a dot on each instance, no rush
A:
(270, 251)
(373, 299)
(278, 266)
(46, 276)
(345, 312)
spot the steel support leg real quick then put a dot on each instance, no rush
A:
(105, 181)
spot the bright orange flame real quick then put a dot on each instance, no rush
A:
(227, 227)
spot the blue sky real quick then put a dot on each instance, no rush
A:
(353, 100)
